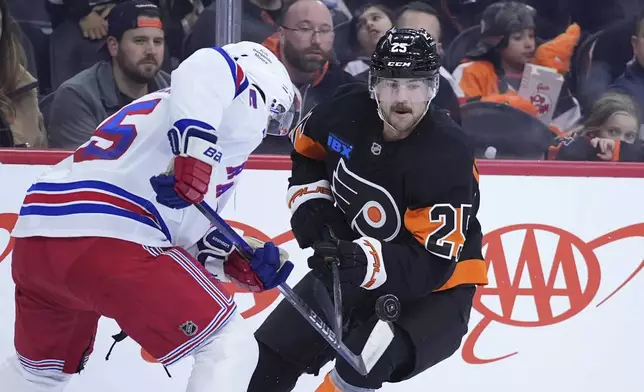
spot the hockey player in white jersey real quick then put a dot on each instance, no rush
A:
(103, 233)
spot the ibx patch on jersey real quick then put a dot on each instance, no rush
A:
(339, 146)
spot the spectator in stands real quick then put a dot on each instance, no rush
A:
(449, 13)
(508, 42)
(609, 133)
(258, 22)
(90, 16)
(179, 18)
(260, 19)
(418, 15)
(27, 16)
(603, 59)
(135, 45)
(21, 123)
(367, 26)
(632, 81)
(304, 44)
(80, 27)
(591, 16)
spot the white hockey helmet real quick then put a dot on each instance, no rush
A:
(267, 73)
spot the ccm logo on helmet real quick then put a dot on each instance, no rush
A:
(398, 64)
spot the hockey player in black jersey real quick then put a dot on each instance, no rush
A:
(384, 183)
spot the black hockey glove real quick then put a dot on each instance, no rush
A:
(349, 256)
(310, 221)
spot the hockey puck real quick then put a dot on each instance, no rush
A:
(388, 307)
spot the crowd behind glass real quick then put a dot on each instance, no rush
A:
(537, 79)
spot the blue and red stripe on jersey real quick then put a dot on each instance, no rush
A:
(233, 171)
(226, 304)
(241, 82)
(91, 197)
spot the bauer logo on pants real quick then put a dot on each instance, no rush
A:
(189, 328)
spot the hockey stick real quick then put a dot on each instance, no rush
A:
(332, 309)
(378, 340)
(337, 291)
(337, 299)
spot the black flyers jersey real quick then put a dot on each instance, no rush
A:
(417, 197)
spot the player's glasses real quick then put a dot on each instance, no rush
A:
(279, 119)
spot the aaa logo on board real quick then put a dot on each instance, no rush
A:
(574, 274)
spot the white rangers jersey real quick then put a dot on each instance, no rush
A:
(104, 189)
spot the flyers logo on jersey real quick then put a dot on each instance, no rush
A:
(370, 208)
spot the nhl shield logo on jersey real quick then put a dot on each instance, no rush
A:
(376, 148)
(189, 328)
(370, 208)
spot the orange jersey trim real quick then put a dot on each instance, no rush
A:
(327, 385)
(309, 147)
(304, 144)
(420, 224)
(473, 271)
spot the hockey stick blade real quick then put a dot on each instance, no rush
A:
(356, 361)
(377, 343)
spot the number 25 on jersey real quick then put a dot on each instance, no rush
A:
(442, 228)
(449, 230)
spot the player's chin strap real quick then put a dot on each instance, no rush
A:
(119, 337)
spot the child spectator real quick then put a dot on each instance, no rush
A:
(367, 26)
(610, 133)
(507, 44)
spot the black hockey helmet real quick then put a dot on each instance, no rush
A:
(405, 53)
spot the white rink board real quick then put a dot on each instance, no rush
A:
(597, 348)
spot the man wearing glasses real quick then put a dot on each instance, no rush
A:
(304, 44)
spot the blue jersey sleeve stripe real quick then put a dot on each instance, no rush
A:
(104, 186)
(232, 65)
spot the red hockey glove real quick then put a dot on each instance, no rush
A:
(268, 268)
(192, 177)
(194, 145)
